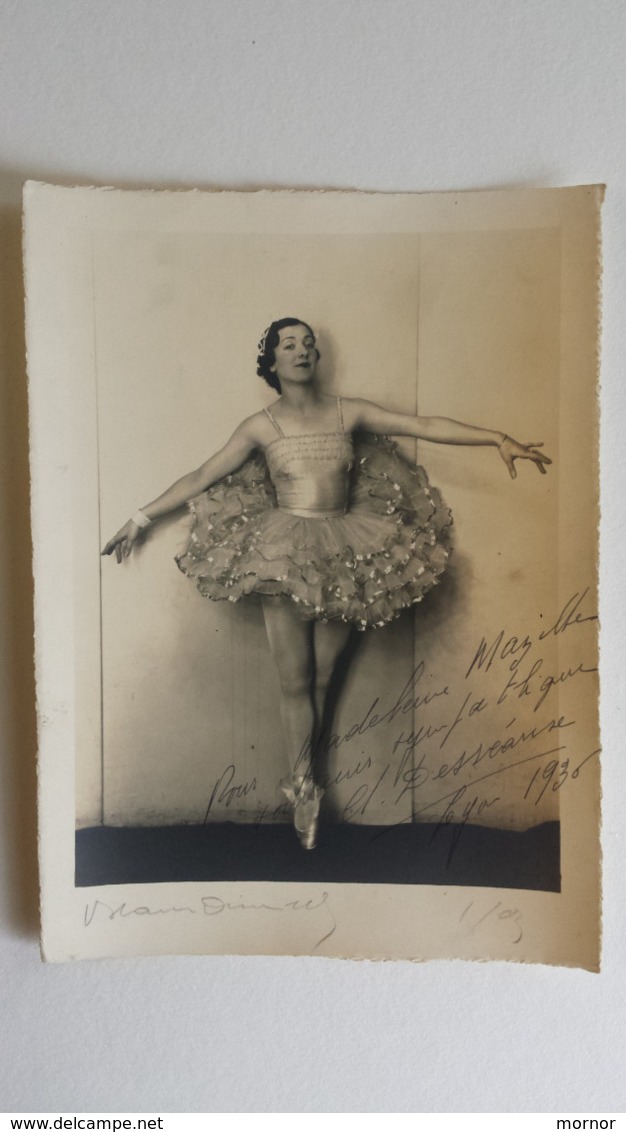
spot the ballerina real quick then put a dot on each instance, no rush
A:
(311, 506)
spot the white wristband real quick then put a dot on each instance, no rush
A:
(141, 519)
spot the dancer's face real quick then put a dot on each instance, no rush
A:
(295, 356)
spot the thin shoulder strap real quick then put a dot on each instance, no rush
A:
(340, 414)
(274, 422)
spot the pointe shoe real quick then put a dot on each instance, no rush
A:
(305, 798)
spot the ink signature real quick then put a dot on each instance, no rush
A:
(425, 751)
(210, 906)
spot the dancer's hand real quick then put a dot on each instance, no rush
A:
(122, 543)
(510, 450)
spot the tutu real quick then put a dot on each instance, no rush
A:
(363, 566)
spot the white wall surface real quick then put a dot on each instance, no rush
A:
(371, 94)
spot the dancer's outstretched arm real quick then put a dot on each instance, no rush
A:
(241, 444)
(365, 415)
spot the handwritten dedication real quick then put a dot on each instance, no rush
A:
(365, 426)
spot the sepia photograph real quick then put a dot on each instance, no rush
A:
(312, 423)
(328, 471)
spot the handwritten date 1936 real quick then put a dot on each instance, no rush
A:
(554, 775)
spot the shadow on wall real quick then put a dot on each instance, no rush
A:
(396, 649)
(444, 607)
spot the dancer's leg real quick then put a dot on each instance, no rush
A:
(329, 641)
(291, 644)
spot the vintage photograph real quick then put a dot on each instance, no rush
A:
(322, 471)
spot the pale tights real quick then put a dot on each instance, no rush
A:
(306, 655)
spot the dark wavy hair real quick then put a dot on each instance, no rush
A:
(267, 349)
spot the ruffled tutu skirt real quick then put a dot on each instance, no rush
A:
(364, 567)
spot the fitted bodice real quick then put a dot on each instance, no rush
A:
(361, 567)
(311, 473)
